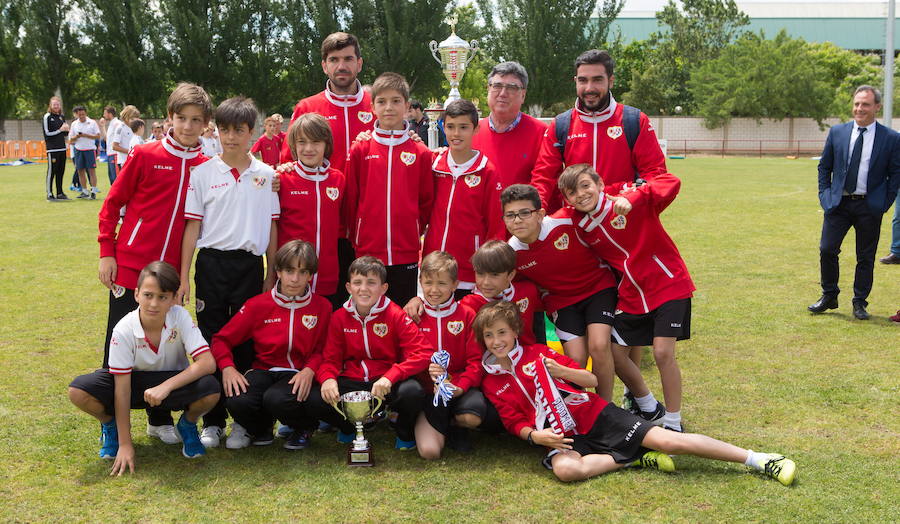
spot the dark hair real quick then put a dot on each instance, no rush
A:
(415, 104)
(111, 110)
(872, 89)
(438, 261)
(367, 265)
(517, 192)
(494, 256)
(390, 81)
(294, 249)
(510, 68)
(78, 108)
(462, 107)
(338, 41)
(314, 127)
(168, 279)
(187, 94)
(596, 56)
(494, 311)
(235, 111)
(568, 180)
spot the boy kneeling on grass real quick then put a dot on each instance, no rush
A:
(148, 367)
(539, 397)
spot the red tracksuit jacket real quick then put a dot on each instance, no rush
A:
(349, 115)
(386, 343)
(311, 206)
(288, 332)
(514, 152)
(524, 294)
(513, 393)
(638, 247)
(561, 264)
(466, 212)
(152, 185)
(268, 148)
(449, 327)
(598, 139)
(390, 193)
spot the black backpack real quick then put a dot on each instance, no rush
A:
(631, 124)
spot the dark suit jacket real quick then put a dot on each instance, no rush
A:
(884, 168)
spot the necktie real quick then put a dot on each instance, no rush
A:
(853, 169)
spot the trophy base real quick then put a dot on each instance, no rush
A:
(360, 457)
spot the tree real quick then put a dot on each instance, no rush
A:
(11, 60)
(545, 37)
(760, 78)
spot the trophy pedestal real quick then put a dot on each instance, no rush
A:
(360, 457)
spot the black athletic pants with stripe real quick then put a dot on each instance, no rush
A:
(56, 167)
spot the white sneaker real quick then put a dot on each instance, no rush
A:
(211, 436)
(165, 433)
(238, 438)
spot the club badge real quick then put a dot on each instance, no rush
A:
(562, 243)
(472, 180)
(364, 116)
(407, 158)
(118, 291)
(523, 305)
(455, 327)
(614, 132)
(618, 222)
(529, 369)
(173, 335)
(259, 181)
(380, 329)
(309, 321)
(332, 192)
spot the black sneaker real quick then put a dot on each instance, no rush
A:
(298, 440)
(654, 417)
(673, 428)
(83, 195)
(263, 440)
(51, 198)
(62, 196)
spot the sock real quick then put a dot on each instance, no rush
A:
(672, 419)
(756, 460)
(625, 391)
(646, 403)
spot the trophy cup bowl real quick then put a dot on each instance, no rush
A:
(454, 54)
(358, 407)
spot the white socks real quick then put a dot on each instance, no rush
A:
(672, 419)
(756, 460)
(646, 403)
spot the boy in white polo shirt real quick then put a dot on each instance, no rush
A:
(82, 134)
(231, 211)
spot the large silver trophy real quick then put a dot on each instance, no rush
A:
(454, 54)
(358, 408)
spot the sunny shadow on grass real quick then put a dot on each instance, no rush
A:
(759, 371)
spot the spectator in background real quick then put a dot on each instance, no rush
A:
(137, 129)
(209, 142)
(280, 121)
(156, 132)
(418, 121)
(113, 122)
(55, 128)
(121, 140)
(268, 147)
(83, 136)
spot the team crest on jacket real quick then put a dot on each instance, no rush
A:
(618, 222)
(173, 335)
(332, 192)
(472, 180)
(364, 116)
(309, 321)
(259, 181)
(380, 329)
(614, 132)
(562, 243)
(523, 305)
(407, 158)
(529, 369)
(455, 327)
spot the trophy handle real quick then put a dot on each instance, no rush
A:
(434, 47)
(473, 50)
(377, 405)
(335, 406)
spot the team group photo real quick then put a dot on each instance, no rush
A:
(388, 305)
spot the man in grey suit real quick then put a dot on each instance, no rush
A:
(858, 177)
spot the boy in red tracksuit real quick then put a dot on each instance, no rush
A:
(311, 196)
(372, 345)
(288, 326)
(268, 146)
(654, 306)
(580, 290)
(447, 325)
(390, 190)
(538, 394)
(152, 187)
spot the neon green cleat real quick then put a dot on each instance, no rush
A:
(780, 468)
(656, 460)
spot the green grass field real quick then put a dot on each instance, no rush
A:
(759, 371)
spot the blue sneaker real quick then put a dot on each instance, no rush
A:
(298, 440)
(345, 438)
(192, 447)
(109, 440)
(405, 445)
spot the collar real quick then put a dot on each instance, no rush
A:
(506, 295)
(344, 100)
(291, 302)
(138, 329)
(869, 128)
(489, 361)
(508, 129)
(441, 310)
(393, 137)
(604, 207)
(595, 117)
(174, 148)
(317, 174)
(379, 306)
(547, 225)
(226, 169)
(444, 164)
